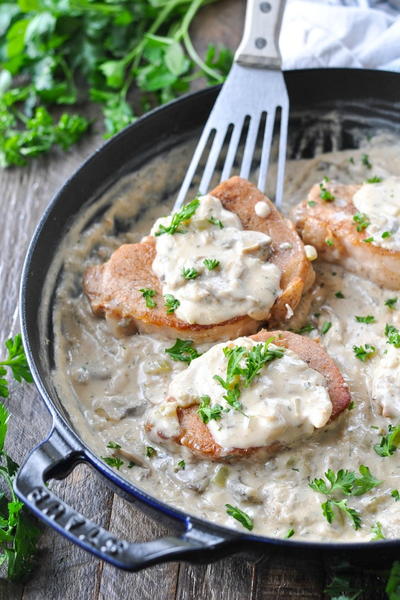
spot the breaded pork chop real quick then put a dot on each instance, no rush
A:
(113, 289)
(330, 228)
(196, 435)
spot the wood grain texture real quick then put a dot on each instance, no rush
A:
(64, 572)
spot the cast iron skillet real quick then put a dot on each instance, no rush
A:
(370, 98)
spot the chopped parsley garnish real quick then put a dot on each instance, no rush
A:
(362, 221)
(183, 351)
(211, 263)
(311, 203)
(395, 494)
(240, 516)
(306, 328)
(217, 222)
(365, 161)
(374, 179)
(190, 273)
(179, 218)
(389, 443)
(150, 451)
(113, 445)
(393, 335)
(238, 375)
(390, 302)
(351, 405)
(393, 583)
(377, 531)
(329, 242)
(346, 483)
(368, 240)
(364, 353)
(339, 294)
(289, 534)
(326, 327)
(181, 464)
(148, 295)
(386, 234)
(207, 412)
(113, 461)
(16, 362)
(324, 193)
(171, 303)
(368, 319)
(131, 464)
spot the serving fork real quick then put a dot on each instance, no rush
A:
(247, 107)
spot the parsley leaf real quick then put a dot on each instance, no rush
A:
(386, 234)
(339, 294)
(207, 412)
(374, 179)
(393, 584)
(395, 494)
(240, 516)
(390, 303)
(16, 362)
(365, 352)
(377, 531)
(190, 273)
(326, 327)
(389, 443)
(113, 445)
(290, 534)
(362, 221)
(215, 221)
(150, 451)
(171, 303)
(113, 461)
(211, 263)
(181, 217)
(368, 319)
(329, 242)
(306, 328)
(365, 161)
(324, 193)
(148, 295)
(183, 351)
(181, 465)
(393, 335)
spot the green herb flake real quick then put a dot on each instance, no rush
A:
(386, 234)
(365, 352)
(390, 303)
(324, 193)
(351, 405)
(207, 412)
(179, 218)
(171, 303)
(329, 242)
(113, 461)
(376, 529)
(113, 445)
(311, 203)
(374, 179)
(148, 295)
(393, 335)
(306, 328)
(396, 495)
(389, 443)
(190, 273)
(216, 222)
(289, 534)
(368, 240)
(365, 161)
(181, 465)
(326, 327)
(150, 451)
(183, 351)
(240, 516)
(361, 220)
(339, 294)
(368, 319)
(211, 263)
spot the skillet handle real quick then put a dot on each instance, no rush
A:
(55, 458)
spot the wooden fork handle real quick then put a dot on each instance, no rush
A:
(259, 46)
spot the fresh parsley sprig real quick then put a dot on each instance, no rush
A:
(240, 516)
(389, 443)
(208, 412)
(16, 363)
(183, 351)
(361, 220)
(148, 295)
(179, 218)
(393, 335)
(365, 352)
(171, 303)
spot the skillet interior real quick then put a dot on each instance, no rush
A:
(314, 95)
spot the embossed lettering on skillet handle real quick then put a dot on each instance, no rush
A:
(54, 459)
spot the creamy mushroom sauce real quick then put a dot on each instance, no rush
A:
(109, 384)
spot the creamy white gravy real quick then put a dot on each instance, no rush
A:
(108, 385)
(285, 402)
(212, 295)
(380, 203)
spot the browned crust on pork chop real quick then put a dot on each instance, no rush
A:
(196, 435)
(322, 221)
(113, 288)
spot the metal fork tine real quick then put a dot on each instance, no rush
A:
(192, 168)
(281, 156)
(249, 146)
(212, 160)
(266, 150)
(231, 153)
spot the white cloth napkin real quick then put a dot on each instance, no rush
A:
(331, 33)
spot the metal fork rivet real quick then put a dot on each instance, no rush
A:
(265, 7)
(261, 43)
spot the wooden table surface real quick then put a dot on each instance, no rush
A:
(64, 571)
